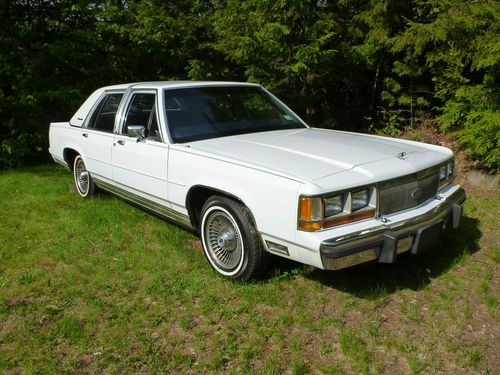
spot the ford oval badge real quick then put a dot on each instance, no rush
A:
(401, 155)
(417, 193)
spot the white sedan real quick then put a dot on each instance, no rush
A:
(233, 163)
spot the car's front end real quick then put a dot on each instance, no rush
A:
(357, 197)
(380, 220)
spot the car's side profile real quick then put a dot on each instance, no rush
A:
(232, 162)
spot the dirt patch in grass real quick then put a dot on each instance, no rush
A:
(196, 244)
(15, 301)
(466, 169)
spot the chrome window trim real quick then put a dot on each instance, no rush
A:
(124, 105)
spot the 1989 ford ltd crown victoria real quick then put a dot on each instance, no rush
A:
(232, 162)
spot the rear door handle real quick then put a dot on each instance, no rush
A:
(121, 142)
(85, 135)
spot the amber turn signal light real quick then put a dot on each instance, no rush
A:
(310, 213)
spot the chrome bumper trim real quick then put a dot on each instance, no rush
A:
(371, 244)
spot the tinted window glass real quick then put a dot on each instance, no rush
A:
(142, 111)
(103, 117)
(210, 112)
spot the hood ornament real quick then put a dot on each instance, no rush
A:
(401, 155)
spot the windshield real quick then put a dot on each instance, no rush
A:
(200, 113)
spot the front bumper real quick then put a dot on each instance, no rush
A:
(386, 240)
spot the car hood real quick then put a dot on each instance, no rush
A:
(312, 154)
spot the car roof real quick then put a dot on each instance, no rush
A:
(80, 115)
(174, 84)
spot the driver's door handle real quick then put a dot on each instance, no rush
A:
(121, 142)
(85, 135)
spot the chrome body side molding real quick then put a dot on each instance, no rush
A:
(60, 161)
(160, 210)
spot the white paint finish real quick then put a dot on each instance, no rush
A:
(370, 173)
(298, 253)
(96, 151)
(310, 154)
(141, 166)
(266, 171)
(57, 139)
(271, 199)
(81, 114)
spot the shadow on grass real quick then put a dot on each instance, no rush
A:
(373, 280)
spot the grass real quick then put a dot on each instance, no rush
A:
(99, 286)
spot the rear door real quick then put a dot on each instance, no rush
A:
(140, 165)
(97, 135)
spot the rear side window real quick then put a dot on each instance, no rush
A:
(104, 115)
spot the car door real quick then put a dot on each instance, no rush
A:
(97, 135)
(140, 163)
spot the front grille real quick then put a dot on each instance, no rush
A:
(396, 195)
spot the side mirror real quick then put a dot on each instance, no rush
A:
(137, 131)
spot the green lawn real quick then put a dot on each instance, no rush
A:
(99, 286)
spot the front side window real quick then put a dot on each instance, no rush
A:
(211, 112)
(103, 118)
(142, 111)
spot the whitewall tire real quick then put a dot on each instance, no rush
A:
(83, 181)
(230, 241)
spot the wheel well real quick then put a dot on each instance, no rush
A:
(196, 198)
(69, 157)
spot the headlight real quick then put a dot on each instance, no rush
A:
(359, 199)
(334, 205)
(322, 212)
(447, 173)
(451, 168)
(442, 173)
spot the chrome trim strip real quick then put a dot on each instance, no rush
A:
(415, 175)
(400, 229)
(60, 161)
(157, 208)
(349, 260)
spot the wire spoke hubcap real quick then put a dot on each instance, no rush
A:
(223, 240)
(82, 176)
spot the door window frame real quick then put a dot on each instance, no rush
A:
(124, 106)
(97, 106)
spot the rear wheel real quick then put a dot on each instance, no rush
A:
(83, 181)
(230, 241)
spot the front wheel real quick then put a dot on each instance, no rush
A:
(83, 181)
(230, 240)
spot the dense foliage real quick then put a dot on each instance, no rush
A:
(360, 64)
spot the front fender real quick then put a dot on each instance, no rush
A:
(271, 199)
